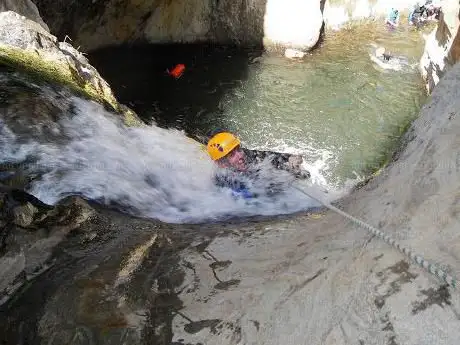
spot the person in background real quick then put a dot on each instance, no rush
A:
(393, 18)
(416, 15)
(382, 54)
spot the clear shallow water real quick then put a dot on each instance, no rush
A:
(337, 107)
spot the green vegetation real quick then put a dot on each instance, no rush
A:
(41, 69)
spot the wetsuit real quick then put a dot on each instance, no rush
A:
(393, 17)
(386, 57)
(416, 14)
(238, 181)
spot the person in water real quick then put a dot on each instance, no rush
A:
(393, 18)
(433, 11)
(423, 12)
(382, 54)
(416, 14)
(225, 149)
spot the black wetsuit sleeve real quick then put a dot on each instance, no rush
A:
(277, 159)
(231, 182)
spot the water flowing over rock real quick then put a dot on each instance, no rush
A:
(75, 272)
(442, 48)
(75, 147)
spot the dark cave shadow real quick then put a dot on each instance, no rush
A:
(192, 103)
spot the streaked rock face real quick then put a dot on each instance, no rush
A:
(306, 279)
(340, 12)
(442, 47)
(294, 24)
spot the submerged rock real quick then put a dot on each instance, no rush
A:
(293, 54)
(295, 25)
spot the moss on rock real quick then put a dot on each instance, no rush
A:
(36, 65)
(40, 67)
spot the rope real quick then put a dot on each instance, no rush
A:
(430, 267)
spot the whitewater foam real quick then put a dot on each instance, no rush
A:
(150, 172)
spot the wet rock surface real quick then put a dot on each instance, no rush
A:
(24, 8)
(76, 273)
(30, 230)
(83, 274)
(119, 277)
(442, 48)
(98, 24)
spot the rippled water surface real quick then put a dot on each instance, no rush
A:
(337, 106)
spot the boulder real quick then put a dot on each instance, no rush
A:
(293, 54)
(27, 46)
(29, 232)
(295, 24)
(24, 8)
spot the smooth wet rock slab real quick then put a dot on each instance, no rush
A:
(303, 279)
(306, 280)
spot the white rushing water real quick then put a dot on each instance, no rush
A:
(150, 171)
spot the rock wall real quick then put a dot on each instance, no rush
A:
(293, 24)
(442, 48)
(308, 279)
(91, 25)
(28, 46)
(24, 8)
(274, 23)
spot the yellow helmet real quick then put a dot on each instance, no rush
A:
(221, 145)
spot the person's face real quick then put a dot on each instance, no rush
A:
(235, 159)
